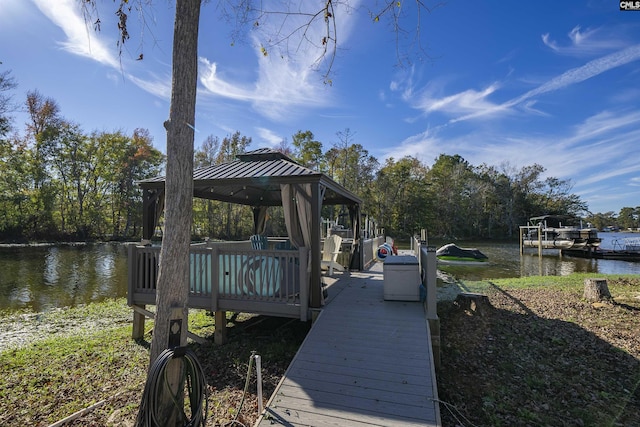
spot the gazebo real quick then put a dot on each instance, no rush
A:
(258, 179)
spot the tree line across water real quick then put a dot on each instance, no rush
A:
(61, 183)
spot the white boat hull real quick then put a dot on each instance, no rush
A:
(549, 244)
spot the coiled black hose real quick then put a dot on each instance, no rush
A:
(150, 415)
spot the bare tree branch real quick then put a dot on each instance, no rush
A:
(142, 9)
(317, 26)
(396, 12)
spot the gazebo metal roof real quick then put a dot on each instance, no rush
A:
(254, 179)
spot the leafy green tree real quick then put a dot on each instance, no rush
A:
(7, 84)
(121, 160)
(555, 198)
(15, 188)
(207, 153)
(449, 175)
(351, 164)
(307, 151)
(42, 133)
(231, 146)
(71, 164)
(628, 218)
(206, 213)
(236, 218)
(12, 185)
(496, 199)
(401, 194)
(602, 220)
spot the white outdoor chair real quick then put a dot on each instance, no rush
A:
(330, 252)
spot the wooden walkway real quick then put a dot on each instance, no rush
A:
(365, 362)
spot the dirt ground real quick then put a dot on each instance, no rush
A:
(540, 358)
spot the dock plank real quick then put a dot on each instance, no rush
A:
(365, 362)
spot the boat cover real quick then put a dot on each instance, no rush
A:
(453, 251)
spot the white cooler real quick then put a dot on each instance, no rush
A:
(401, 278)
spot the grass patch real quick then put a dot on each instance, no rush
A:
(53, 378)
(88, 356)
(541, 355)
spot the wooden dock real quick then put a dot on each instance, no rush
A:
(365, 362)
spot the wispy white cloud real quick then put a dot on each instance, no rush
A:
(604, 123)
(467, 102)
(576, 156)
(272, 138)
(158, 86)
(279, 93)
(425, 146)
(585, 42)
(580, 74)
(287, 82)
(80, 38)
(568, 78)
(216, 84)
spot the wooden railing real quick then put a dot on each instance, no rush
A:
(428, 263)
(230, 277)
(369, 248)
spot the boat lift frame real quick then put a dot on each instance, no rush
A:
(530, 227)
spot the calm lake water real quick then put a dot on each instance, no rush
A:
(44, 277)
(505, 261)
(40, 278)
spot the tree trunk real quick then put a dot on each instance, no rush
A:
(477, 304)
(173, 276)
(596, 289)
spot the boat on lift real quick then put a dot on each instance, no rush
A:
(454, 254)
(549, 232)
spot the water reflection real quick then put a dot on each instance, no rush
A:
(51, 263)
(505, 261)
(44, 277)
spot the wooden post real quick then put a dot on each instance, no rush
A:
(428, 261)
(138, 323)
(431, 283)
(596, 289)
(304, 280)
(521, 240)
(220, 332)
(540, 241)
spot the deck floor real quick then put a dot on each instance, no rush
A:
(365, 362)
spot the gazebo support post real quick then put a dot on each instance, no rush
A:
(220, 332)
(152, 205)
(315, 282)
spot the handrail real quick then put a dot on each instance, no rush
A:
(428, 273)
(369, 248)
(627, 244)
(222, 274)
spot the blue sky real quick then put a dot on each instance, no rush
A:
(508, 84)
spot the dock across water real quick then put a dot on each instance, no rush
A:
(365, 362)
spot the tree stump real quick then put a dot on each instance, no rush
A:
(596, 289)
(477, 304)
